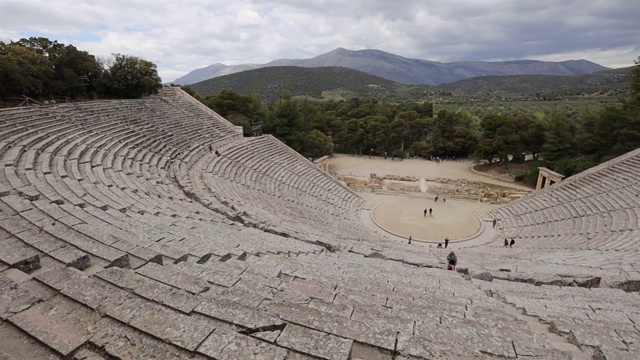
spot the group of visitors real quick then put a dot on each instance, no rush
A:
(430, 210)
(452, 259)
(446, 244)
(509, 243)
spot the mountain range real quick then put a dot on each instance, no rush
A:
(405, 70)
(337, 83)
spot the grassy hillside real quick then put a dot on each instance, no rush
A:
(548, 85)
(319, 83)
(532, 93)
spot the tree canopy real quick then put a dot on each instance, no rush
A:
(131, 77)
(44, 69)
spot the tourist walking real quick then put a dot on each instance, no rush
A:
(452, 260)
(446, 242)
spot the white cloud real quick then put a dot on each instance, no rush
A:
(180, 36)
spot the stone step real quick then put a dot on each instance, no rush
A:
(59, 323)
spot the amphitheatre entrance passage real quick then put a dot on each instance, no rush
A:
(405, 217)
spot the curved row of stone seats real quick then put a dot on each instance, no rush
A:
(581, 233)
(420, 306)
(325, 306)
(303, 202)
(75, 161)
(281, 215)
(281, 190)
(121, 226)
(611, 264)
(188, 159)
(285, 214)
(603, 322)
(148, 117)
(82, 230)
(596, 209)
(243, 192)
(165, 274)
(36, 237)
(74, 174)
(27, 221)
(178, 99)
(267, 156)
(96, 199)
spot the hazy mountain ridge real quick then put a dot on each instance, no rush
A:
(211, 71)
(197, 75)
(407, 70)
(336, 83)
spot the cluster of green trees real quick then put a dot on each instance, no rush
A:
(355, 126)
(43, 69)
(568, 141)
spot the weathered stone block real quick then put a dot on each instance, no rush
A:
(122, 342)
(233, 346)
(14, 298)
(15, 344)
(59, 323)
(364, 352)
(171, 326)
(315, 343)
(235, 313)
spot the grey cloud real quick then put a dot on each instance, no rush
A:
(181, 36)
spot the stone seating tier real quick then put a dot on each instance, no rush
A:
(596, 209)
(72, 174)
(108, 236)
(277, 306)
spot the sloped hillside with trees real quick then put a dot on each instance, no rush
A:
(341, 82)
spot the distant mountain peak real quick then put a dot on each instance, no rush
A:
(407, 70)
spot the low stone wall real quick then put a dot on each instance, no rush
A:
(322, 163)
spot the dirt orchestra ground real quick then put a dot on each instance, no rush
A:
(403, 215)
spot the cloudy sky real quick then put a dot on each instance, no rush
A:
(182, 35)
